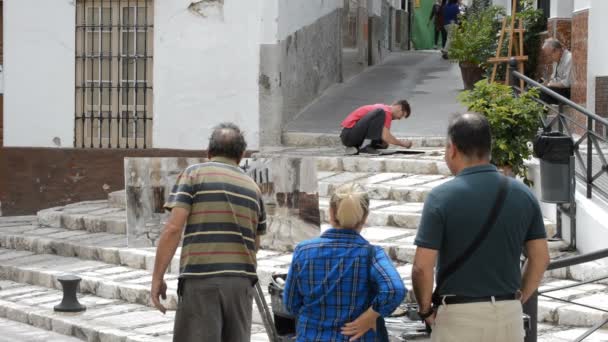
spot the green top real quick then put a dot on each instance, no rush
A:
(453, 215)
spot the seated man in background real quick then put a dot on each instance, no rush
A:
(561, 77)
(373, 122)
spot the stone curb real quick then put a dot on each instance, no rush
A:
(382, 192)
(120, 256)
(378, 218)
(114, 220)
(31, 274)
(80, 325)
(302, 139)
(118, 199)
(381, 164)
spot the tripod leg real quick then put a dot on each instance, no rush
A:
(260, 301)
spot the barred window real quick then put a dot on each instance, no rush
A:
(113, 73)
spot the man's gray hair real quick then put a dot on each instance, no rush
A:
(553, 43)
(228, 141)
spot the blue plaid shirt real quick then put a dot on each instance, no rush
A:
(328, 285)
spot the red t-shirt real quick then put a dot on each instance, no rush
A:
(360, 112)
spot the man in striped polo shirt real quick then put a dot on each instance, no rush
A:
(223, 214)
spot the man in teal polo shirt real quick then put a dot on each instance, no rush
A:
(483, 297)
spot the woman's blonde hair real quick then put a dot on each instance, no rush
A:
(350, 205)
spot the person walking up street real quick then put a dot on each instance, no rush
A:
(223, 214)
(475, 228)
(450, 20)
(437, 15)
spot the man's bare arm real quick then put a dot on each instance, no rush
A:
(423, 276)
(534, 269)
(389, 138)
(169, 241)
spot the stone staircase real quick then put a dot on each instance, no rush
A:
(89, 239)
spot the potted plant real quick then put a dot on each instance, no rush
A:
(514, 121)
(473, 42)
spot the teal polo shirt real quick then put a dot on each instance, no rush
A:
(453, 215)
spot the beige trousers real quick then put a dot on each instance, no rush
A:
(479, 322)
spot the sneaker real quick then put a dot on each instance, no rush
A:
(369, 150)
(379, 145)
(351, 151)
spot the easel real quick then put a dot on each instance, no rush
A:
(514, 42)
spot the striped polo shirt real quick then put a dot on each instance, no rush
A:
(226, 214)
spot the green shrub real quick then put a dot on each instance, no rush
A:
(514, 121)
(474, 39)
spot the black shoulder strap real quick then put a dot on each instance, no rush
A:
(483, 234)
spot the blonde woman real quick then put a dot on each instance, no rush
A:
(338, 284)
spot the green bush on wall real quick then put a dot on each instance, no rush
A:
(514, 121)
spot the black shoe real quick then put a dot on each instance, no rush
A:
(379, 145)
(369, 150)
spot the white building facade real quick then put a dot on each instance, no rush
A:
(162, 73)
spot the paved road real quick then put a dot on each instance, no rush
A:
(430, 83)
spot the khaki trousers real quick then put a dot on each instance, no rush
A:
(479, 322)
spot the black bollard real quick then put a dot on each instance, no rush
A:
(69, 303)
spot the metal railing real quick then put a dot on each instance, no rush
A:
(531, 307)
(591, 168)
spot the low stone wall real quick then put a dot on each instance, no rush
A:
(148, 183)
(288, 185)
(36, 178)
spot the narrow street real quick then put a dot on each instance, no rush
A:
(428, 82)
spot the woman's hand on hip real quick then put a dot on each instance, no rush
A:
(361, 325)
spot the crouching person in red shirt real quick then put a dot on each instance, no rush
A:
(373, 122)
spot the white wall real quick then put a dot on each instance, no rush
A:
(39, 72)
(591, 214)
(270, 21)
(580, 5)
(374, 7)
(597, 54)
(295, 14)
(562, 8)
(504, 3)
(205, 71)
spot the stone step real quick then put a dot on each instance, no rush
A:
(426, 164)
(384, 213)
(118, 199)
(563, 333)
(425, 161)
(302, 139)
(104, 320)
(110, 249)
(98, 278)
(17, 331)
(383, 186)
(559, 312)
(92, 216)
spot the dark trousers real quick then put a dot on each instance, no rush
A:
(214, 310)
(369, 127)
(565, 92)
(444, 36)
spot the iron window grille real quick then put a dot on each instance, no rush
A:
(114, 73)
